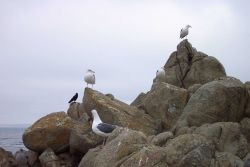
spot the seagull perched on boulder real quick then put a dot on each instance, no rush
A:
(89, 77)
(100, 128)
(184, 31)
(73, 99)
(160, 73)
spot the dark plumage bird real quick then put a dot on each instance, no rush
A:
(73, 99)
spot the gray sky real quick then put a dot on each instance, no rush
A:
(46, 46)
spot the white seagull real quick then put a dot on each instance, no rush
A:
(89, 77)
(100, 128)
(160, 73)
(184, 31)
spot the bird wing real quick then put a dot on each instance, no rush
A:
(106, 128)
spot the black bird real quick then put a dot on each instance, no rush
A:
(73, 99)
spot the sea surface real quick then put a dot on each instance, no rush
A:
(11, 138)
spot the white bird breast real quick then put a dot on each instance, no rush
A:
(160, 73)
(89, 78)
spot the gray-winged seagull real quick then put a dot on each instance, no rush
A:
(89, 77)
(184, 31)
(160, 73)
(100, 128)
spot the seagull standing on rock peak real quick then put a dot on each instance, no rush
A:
(184, 31)
(89, 77)
(100, 128)
(160, 73)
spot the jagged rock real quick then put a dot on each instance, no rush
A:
(192, 89)
(21, 157)
(189, 150)
(51, 131)
(165, 102)
(226, 136)
(225, 159)
(138, 100)
(81, 141)
(49, 159)
(119, 113)
(7, 159)
(246, 160)
(112, 97)
(162, 138)
(222, 100)
(120, 146)
(186, 67)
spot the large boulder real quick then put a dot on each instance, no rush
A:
(120, 146)
(51, 131)
(227, 137)
(223, 100)
(189, 150)
(186, 67)
(164, 102)
(116, 112)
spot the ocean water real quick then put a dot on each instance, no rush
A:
(11, 138)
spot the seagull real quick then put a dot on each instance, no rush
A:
(100, 128)
(73, 99)
(89, 77)
(184, 31)
(160, 73)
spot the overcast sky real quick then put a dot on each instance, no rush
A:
(47, 45)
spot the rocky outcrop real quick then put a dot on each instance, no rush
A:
(52, 131)
(222, 100)
(164, 102)
(194, 117)
(119, 113)
(186, 67)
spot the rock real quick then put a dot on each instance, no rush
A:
(81, 141)
(119, 113)
(74, 111)
(147, 157)
(137, 102)
(21, 157)
(225, 159)
(7, 159)
(67, 160)
(192, 89)
(32, 158)
(245, 127)
(162, 138)
(226, 136)
(49, 159)
(112, 97)
(189, 150)
(51, 131)
(222, 100)
(121, 144)
(247, 163)
(247, 85)
(165, 102)
(186, 67)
